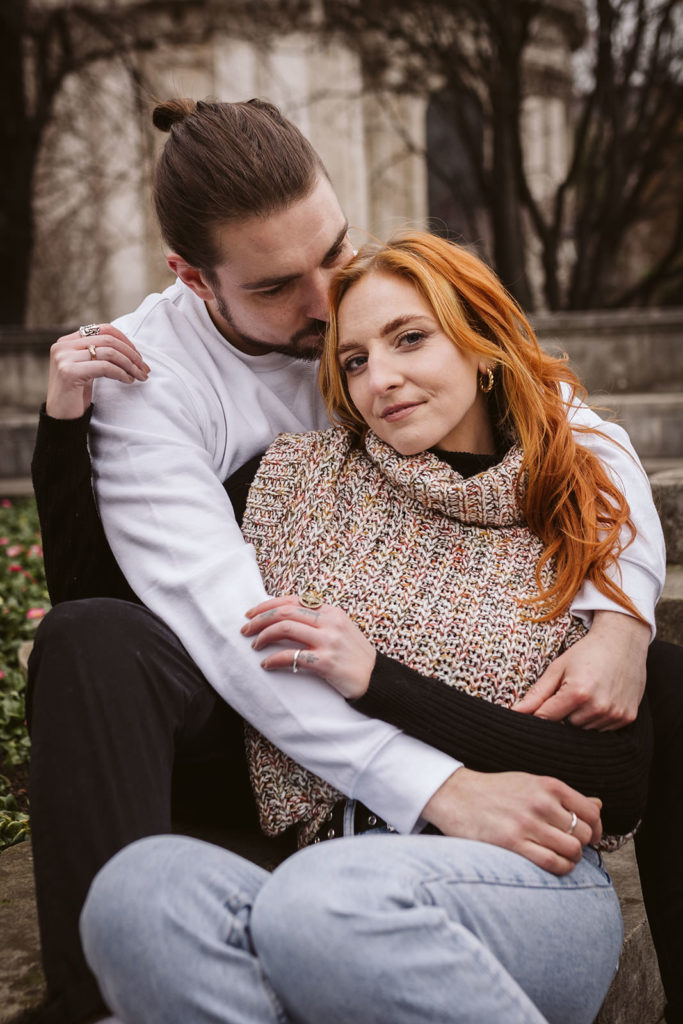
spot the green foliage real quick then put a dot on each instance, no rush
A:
(23, 602)
(14, 826)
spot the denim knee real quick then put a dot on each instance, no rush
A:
(124, 900)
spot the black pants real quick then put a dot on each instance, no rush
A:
(126, 734)
(125, 731)
(659, 842)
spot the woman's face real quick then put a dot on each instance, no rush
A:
(413, 387)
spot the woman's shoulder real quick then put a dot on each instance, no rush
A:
(308, 448)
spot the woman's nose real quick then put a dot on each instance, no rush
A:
(382, 374)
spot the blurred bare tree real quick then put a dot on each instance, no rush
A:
(610, 232)
(43, 45)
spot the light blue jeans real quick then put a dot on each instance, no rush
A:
(375, 929)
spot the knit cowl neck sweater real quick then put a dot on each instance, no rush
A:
(432, 567)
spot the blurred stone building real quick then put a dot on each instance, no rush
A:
(98, 250)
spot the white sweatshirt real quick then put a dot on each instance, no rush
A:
(161, 452)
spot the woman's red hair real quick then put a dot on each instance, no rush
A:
(569, 500)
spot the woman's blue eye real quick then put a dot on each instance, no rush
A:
(354, 363)
(411, 337)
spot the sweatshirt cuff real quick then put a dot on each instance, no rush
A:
(401, 779)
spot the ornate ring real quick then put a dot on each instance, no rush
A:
(88, 330)
(574, 823)
(310, 599)
(295, 659)
(93, 351)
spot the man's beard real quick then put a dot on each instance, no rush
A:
(306, 344)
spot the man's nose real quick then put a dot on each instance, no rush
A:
(318, 295)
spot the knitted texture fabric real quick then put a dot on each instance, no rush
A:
(433, 568)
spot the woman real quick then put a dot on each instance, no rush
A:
(436, 376)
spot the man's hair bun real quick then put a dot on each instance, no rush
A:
(171, 112)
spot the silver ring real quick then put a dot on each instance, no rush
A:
(88, 330)
(295, 659)
(93, 351)
(573, 825)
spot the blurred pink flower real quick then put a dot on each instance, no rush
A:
(15, 568)
(3, 541)
(14, 550)
(2, 675)
(6, 503)
(35, 551)
(35, 613)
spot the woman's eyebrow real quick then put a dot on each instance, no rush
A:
(389, 328)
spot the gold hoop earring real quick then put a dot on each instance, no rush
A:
(488, 386)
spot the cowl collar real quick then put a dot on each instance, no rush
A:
(487, 499)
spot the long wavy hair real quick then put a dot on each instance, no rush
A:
(567, 496)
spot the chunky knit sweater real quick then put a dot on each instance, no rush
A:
(433, 568)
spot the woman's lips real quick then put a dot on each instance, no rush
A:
(398, 412)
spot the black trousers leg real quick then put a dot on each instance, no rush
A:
(116, 709)
(659, 843)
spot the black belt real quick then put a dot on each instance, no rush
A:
(363, 820)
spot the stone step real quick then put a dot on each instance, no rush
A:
(667, 491)
(619, 350)
(17, 438)
(635, 997)
(669, 611)
(654, 422)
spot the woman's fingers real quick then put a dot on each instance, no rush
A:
(279, 611)
(271, 603)
(291, 632)
(330, 645)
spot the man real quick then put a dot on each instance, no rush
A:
(120, 695)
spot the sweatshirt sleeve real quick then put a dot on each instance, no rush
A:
(78, 560)
(642, 564)
(489, 738)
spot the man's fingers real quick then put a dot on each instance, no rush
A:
(559, 706)
(541, 691)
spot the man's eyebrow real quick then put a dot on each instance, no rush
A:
(272, 282)
(389, 328)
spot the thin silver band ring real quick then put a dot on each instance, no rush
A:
(573, 825)
(295, 659)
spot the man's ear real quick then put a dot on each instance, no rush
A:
(193, 278)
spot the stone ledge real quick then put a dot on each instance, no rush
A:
(636, 995)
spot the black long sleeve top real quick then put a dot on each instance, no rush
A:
(485, 737)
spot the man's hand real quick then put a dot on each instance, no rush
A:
(73, 368)
(528, 814)
(599, 682)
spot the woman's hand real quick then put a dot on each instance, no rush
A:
(320, 640)
(73, 368)
(529, 814)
